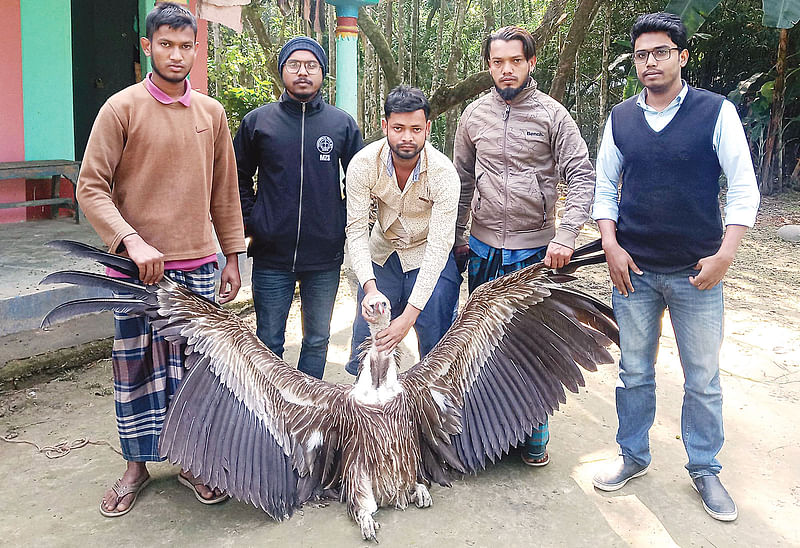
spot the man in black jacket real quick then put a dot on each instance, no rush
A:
(296, 216)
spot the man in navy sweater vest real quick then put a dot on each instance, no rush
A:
(669, 146)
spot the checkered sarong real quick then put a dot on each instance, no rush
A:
(147, 371)
(484, 270)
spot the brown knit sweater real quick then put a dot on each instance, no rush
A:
(166, 172)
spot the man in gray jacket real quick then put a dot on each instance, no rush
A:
(512, 147)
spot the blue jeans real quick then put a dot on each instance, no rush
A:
(273, 291)
(434, 320)
(697, 322)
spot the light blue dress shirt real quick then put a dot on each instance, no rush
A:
(729, 143)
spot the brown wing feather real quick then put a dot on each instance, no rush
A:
(242, 419)
(238, 395)
(503, 365)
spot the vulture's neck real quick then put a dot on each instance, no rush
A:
(377, 375)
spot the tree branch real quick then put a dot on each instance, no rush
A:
(449, 95)
(584, 15)
(391, 71)
(252, 18)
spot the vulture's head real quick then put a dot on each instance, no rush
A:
(377, 370)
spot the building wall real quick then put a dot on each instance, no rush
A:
(36, 91)
(12, 134)
(47, 79)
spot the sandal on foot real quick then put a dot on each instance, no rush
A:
(192, 484)
(121, 491)
(544, 460)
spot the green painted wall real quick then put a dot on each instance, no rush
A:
(145, 7)
(47, 79)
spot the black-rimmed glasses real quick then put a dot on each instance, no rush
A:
(293, 66)
(659, 54)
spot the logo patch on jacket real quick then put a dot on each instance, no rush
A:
(324, 146)
(534, 133)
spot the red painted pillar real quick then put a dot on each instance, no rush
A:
(199, 74)
(12, 129)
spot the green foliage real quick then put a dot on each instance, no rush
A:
(754, 97)
(693, 13)
(782, 14)
(237, 77)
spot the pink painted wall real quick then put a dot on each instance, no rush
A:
(12, 136)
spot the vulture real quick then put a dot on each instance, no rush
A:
(245, 421)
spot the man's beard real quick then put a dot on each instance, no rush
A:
(509, 93)
(304, 97)
(405, 154)
(168, 78)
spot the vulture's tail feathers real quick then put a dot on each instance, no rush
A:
(85, 306)
(79, 249)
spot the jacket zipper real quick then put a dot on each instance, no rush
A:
(505, 173)
(300, 203)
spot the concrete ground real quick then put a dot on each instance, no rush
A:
(54, 502)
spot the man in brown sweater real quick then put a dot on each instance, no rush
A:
(158, 176)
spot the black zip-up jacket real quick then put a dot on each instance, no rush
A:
(296, 217)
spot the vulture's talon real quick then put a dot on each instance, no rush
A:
(421, 496)
(368, 525)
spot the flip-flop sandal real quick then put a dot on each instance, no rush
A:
(193, 483)
(122, 490)
(544, 460)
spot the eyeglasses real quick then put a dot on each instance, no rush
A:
(293, 66)
(659, 54)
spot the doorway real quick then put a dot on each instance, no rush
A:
(105, 58)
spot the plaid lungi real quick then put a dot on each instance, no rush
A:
(147, 371)
(482, 270)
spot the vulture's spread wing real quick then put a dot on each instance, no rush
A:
(502, 367)
(242, 419)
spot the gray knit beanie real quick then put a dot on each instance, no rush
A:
(304, 43)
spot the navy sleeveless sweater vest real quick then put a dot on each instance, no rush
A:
(669, 215)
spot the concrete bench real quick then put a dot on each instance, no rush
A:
(53, 169)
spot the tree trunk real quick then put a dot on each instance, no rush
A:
(331, 13)
(217, 46)
(401, 43)
(362, 97)
(488, 17)
(252, 18)
(412, 73)
(795, 177)
(584, 15)
(438, 76)
(553, 18)
(383, 49)
(771, 176)
(577, 86)
(604, 74)
(451, 76)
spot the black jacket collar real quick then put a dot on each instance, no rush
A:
(293, 105)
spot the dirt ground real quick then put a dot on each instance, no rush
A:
(53, 502)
